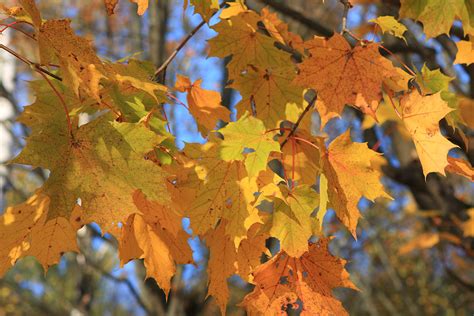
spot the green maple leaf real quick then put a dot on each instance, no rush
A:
(437, 16)
(102, 164)
(248, 133)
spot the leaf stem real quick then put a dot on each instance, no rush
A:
(305, 141)
(399, 60)
(300, 118)
(43, 72)
(63, 102)
(169, 95)
(34, 65)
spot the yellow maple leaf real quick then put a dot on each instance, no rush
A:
(279, 30)
(28, 230)
(251, 249)
(206, 8)
(221, 265)
(239, 37)
(102, 163)
(267, 92)
(388, 24)
(80, 66)
(465, 53)
(468, 226)
(421, 115)
(284, 280)
(223, 190)
(292, 221)
(158, 261)
(157, 236)
(233, 9)
(349, 169)
(300, 159)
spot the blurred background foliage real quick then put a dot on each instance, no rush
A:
(414, 255)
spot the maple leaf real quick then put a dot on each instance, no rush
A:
(279, 30)
(28, 230)
(437, 16)
(423, 241)
(31, 12)
(468, 226)
(205, 8)
(267, 92)
(343, 75)
(461, 167)
(284, 280)
(110, 6)
(239, 37)
(81, 68)
(233, 9)
(388, 24)
(204, 105)
(432, 81)
(222, 191)
(465, 53)
(111, 154)
(158, 238)
(142, 6)
(300, 159)
(342, 162)
(292, 221)
(251, 249)
(248, 133)
(221, 265)
(421, 115)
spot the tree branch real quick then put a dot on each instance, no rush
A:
(163, 67)
(127, 283)
(298, 16)
(34, 65)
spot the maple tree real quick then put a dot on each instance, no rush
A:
(264, 174)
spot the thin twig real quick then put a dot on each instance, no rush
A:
(176, 51)
(300, 118)
(61, 100)
(399, 60)
(127, 282)
(162, 68)
(347, 5)
(34, 65)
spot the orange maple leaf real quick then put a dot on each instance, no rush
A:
(283, 280)
(343, 75)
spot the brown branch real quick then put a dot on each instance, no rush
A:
(299, 17)
(162, 68)
(43, 72)
(300, 118)
(176, 51)
(127, 283)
